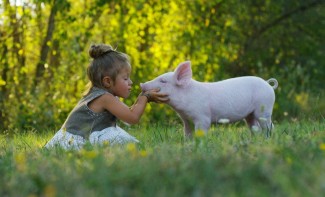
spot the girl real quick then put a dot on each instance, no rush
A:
(94, 118)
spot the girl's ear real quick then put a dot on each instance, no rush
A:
(183, 73)
(107, 82)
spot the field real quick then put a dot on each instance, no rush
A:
(226, 162)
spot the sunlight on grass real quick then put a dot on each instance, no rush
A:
(290, 163)
(322, 146)
(199, 134)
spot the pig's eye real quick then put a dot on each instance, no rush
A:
(163, 81)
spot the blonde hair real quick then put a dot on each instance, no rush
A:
(106, 62)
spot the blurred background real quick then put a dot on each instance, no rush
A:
(44, 51)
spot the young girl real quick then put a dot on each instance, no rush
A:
(94, 118)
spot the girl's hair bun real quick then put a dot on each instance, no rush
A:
(97, 50)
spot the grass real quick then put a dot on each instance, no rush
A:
(226, 162)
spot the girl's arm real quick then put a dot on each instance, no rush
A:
(123, 112)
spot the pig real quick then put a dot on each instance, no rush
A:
(247, 98)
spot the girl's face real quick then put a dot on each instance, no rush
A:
(122, 84)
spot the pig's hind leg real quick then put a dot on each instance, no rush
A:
(253, 123)
(264, 121)
(266, 124)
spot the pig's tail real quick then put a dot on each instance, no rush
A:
(274, 81)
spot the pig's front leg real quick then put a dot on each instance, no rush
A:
(187, 126)
(202, 124)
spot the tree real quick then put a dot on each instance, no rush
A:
(44, 46)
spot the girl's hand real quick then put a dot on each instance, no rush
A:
(154, 96)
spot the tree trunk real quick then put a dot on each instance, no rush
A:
(17, 55)
(4, 90)
(40, 68)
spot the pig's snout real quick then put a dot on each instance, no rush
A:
(142, 86)
(147, 86)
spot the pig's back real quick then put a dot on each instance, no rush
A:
(235, 98)
(236, 85)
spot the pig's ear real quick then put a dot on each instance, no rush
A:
(183, 73)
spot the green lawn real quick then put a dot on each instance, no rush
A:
(226, 162)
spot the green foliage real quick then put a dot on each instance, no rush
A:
(226, 162)
(44, 44)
